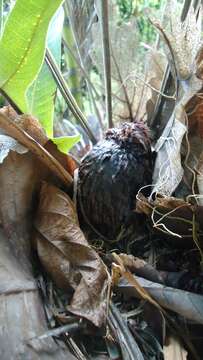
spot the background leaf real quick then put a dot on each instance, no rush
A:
(22, 46)
(42, 92)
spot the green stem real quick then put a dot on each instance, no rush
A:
(73, 79)
(66, 93)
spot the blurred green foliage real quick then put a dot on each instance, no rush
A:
(137, 8)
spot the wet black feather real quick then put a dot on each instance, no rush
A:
(111, 175)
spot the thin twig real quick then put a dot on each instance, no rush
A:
(81, 64)
(68, 328)
(123, 85)
(153, 88)
(168, 43)
(187, 157)
(90, 85)
(106, 59)
(82, 69)
(66, 93)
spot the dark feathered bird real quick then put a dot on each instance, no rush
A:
(110, 176)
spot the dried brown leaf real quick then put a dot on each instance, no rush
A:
(141, 268)
(170, 202)
(143, 206)
(67, 257)
(27, 122)
(182, 39)
(195, 118)
(18, 178)
(131, 262)
(131, 279)
(186, 304)
(168, 170)
(31, 126)
(155, 66)
(66, 160)
(21, 309)
(14, 130)
(9, 111)
(22, 315)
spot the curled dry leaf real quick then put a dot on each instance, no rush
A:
(168, 170)
(184, 303)
(155, 66)
(13, 129)
(9, 111)
(28, 123)
(131, 262)
(66, 160)
(21, 308)
(179, 146)
(182, 38)
(183, 41)
(32, 127)
(18, 182)
(195, 116)
(141, 268)
(143, 205)
(67, 257)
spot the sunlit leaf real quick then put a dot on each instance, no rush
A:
(41, 93)
(22, 46)
(65, 143)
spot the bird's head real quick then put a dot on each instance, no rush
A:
(129, 134)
